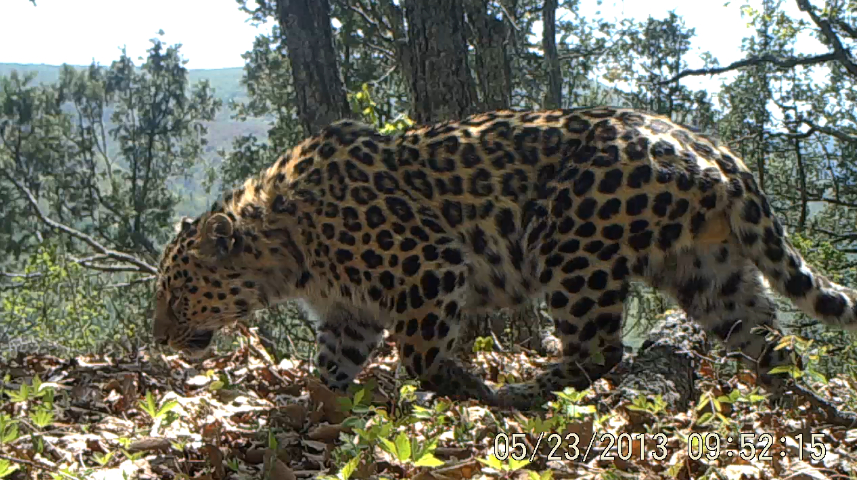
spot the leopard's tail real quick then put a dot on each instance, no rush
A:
(765, 243)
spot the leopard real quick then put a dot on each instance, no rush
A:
(407, 233)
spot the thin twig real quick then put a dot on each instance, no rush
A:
(30, 463)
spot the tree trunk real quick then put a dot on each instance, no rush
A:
(553, 94)
(493, 71)
(436, 61)
(318, 85)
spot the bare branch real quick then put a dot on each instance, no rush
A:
(377, 23)
(383, 77)
(19, 275)
(851, 31)
(509, 17)
(839, 237)
(781, 63)
(109, 268)
(107, 252)
(145, 279)
(830, 131)
(843, 56)
(387, 53)
(834, 201)
(840, 53)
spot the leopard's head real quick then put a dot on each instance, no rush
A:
(205, 283)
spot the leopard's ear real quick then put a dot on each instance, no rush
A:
(218, 226)
(183, 225)
(217, 236)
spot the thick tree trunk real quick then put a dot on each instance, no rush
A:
(318, 85)
(553, 94)
(493, 70)
(435, 62)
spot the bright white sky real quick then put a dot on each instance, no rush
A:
(214, 33)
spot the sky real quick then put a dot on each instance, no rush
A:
(214, 33)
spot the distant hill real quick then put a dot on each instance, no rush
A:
(226, 81)
(226, 84)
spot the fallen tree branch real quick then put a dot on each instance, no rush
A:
(666, 364)
(141, 265)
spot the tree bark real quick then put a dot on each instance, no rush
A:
(666, 364)
(553, 94)
(318, 85)
(436, 62)
(493, 70)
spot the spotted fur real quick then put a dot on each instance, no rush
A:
(404, 233)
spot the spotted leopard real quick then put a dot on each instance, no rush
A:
(406, 233)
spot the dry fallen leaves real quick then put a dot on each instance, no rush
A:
(240, 415)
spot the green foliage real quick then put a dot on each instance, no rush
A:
(101, 150)
(714, 406)
(505, 467)
(362, 104)
(6, 468)
(483, 344)
(373, 427)
(150, 406)
(35, 401)
(57, 300)
(270, 96)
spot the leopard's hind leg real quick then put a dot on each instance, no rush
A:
(586, 302)
(718, 287)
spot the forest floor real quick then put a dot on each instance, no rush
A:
(241, 415)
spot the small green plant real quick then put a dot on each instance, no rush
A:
(8, 429)
(346, 471)
(361, 103)
(159, 414)
(483, 344)
(568, 404)
(356, 404)
(546, 475)
(374, 427)
(810, 351)
(66, 474)
(233, 464)
(133, 456)
(102, 458)
(6, 468)
(643, 404)
(715, 403)
(42, 416)
(410, 451)
(506, 468)
(22, 395)
(153, 410)
(221, 382)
